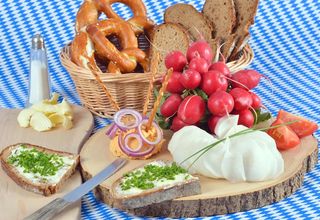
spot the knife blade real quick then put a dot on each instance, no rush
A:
(56, 206)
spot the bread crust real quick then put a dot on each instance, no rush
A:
(45, 189)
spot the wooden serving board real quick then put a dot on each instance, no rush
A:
(17, 203)
(218, 196)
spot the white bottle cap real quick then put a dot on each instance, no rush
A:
(37, 42)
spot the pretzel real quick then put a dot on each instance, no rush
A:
(97, 33)
(90, 10)
(82, 51)
(88, 13)
(139, 21)
(133, 53)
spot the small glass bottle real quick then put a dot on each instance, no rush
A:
(39, 82)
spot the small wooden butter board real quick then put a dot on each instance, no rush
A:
(17, 203)
(218, 196)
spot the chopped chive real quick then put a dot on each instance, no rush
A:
(37, 162)
(144, 179)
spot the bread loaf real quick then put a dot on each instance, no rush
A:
(166, 38)
(46, 183)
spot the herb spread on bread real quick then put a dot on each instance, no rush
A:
(39, 166)
(153, 175)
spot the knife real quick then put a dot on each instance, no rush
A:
(56, 206)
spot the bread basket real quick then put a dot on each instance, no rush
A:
(128, 90)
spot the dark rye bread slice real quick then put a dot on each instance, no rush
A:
(221, 14)
(187, 187)
(166, 38)
(42, 188)
(246, 11)
(193, 21)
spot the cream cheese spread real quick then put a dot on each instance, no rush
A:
(62, 163)
(157, 182)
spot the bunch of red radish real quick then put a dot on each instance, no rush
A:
(203, 92)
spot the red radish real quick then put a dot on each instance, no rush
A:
(177, 124)
(200, 48)
(246, 118)
(242, 99)
(212, 122)
(220, 67)
(174, 85)
(213, 81)
(220, 103)
(191, 109)
(171, 105)
(247, 79)
(190, 79)
(256, 101)
(199, 64)
(176, 60)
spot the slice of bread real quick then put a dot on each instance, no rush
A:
(240, 43)
(46, 184)
(166, 38)
(221, 14)
(228, 46)
(245, 11)
(193, 21)
(165, 187)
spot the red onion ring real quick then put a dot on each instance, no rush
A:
(126, 140)
(112, 130)
(133, 154)
(158, 129)
(123, 112)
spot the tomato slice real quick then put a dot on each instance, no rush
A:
(284, 136)
(303, 127)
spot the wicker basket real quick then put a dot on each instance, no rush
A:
(128, 90)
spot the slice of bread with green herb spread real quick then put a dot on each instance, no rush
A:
(155, 182)
(36, 168)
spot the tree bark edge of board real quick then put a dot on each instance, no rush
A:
(221, 205)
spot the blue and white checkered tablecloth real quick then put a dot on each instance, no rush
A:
(285, 39)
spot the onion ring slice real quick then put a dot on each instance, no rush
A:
(112, 130)
(133, 154)
(158, 130)
(127, 139)
(119, 116)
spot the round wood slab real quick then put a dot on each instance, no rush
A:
(218, 196)
(17, 203)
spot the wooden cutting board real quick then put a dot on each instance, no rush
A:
(218, 196)
(17, 203)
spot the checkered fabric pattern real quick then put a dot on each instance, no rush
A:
(285, 39)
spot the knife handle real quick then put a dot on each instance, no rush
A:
(50, 210)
